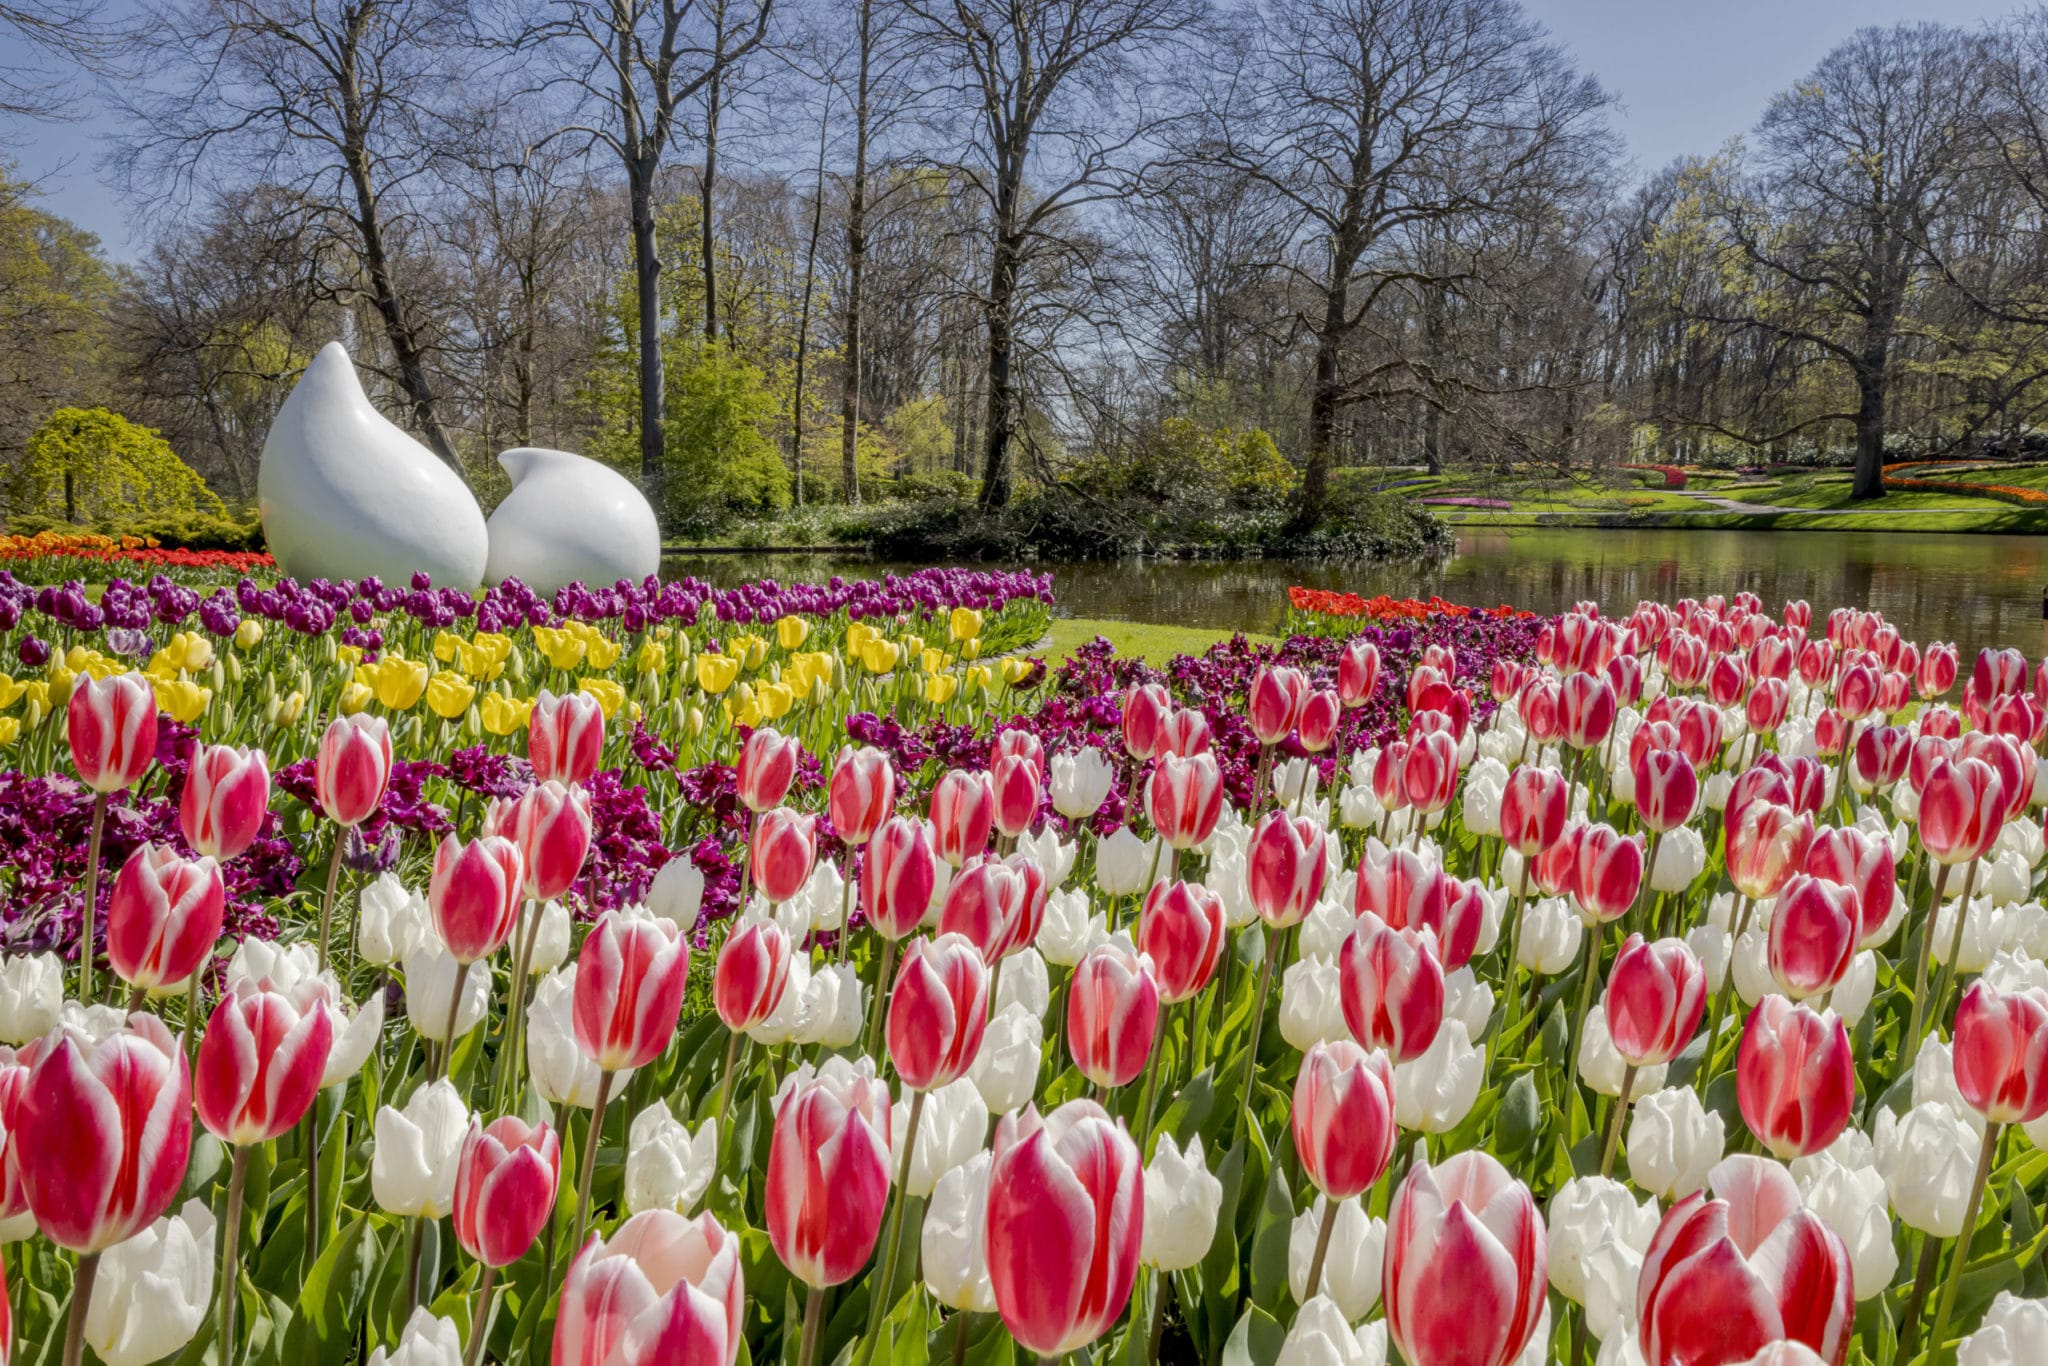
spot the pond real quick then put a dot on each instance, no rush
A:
(1974, 590)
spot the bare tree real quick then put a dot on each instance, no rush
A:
(1052, 91)
(67, 33)
(636, 64)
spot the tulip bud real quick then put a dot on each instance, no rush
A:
(1285, 868)
(897, 876)
(827, 1179)
(963, 811)
(630, 978)
(781, 852)
(474, 894)
(1343, 1118)
(111, 725)
(163, 917)
(564, 737)
(751, 975)
(767, 764)
(1181, 929)
(862, 793)
(1392, 987)
(938, 1011)
(1813, 935)
(352, 767)
(1464, 1222)
(505, 1182)
(1609, 873)
(1112, 1015)
(1533, 809)
(1275, 701)
(1018, 786)
(551, 824)
(1795, 1077)
(1358, 672)
(226, 797)
(1667, 789)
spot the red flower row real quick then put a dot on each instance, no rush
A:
(1381, 607)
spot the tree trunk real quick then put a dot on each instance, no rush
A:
(647, 284)
(803, 330)
(1002, 415)
(1322, 416)
(1869, 430)
(705, 183)
(856, 269)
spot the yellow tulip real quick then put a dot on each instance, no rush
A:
(249, 634)
(450, 694)
(487, 655)
(37, 691)
(940, 688)
(601, 653)
(965, 623)
(980, 678)
(858, 634)
(792, 631)
(355, 697)
(503, 715)
(878, 656)
(747, 713)
(913, 645)
(10, 729)
(935, 660)
(399, 682)
(350, 655)
(292, 708)
(10, 691)
(1016, 669)
(446, 644)
(715, 673)
(187, 651)
(183, 699)
(610, 696)
(650, 658)
(61, 681)
(775, 700)
(560, 648)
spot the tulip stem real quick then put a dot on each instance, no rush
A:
(845, 902)
(230, 1266)
(1324, 1228)
(412, 1265)
(1595, 941)
(81, 1299)
(327, 898)
(814, 1314)
(879, 1005)
(1151, 1098)
(596, 1136)
(515, 1002)
(880, 1302)
(1161, 1290)
(1614, 1120)
(1515, 910)
(479, 1326)
(312, 1122)
(92, 895)
(1939, 998)
(1251, 1052)
(1923, 1275)
(1911, 1045)
(1962, 1252)
(446, 1062)
(1727, 989)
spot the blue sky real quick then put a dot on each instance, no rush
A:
(1690, 74)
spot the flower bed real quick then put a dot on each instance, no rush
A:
(1674, 477)
(647, 1030)
(57, 553)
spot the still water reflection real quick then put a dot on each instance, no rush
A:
(1974, 590)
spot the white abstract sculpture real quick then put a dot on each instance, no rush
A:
(570, 518)
(344, 493)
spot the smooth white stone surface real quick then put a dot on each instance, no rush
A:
(344, 492)
(570, 518)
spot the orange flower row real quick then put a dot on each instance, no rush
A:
(1382, 607)
(138, 550)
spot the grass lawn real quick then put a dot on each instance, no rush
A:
(1153, 643)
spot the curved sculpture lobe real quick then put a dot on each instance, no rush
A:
(570, 519)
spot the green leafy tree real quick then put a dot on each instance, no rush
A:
(720, 459)
(94, 466)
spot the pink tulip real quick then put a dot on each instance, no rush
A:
(2001, 1053)
(352, 767)
(1321, 715)
(1556, 870)
(14, 1072)
(828, 1175)
(505, 1180)
(226, 797)
(163, 917)
(630, 979)
(1017, 744)
(1962, 810)
(938, 1011)
(1429, 773)
(1464, 1223)
(1285, 865)
(260, 1062)
(1937, 672)
(1798, 614)
(1726, 1276)
(1765, 708)
(564, 737)
(1667, 789)
(1878, 758)
(781, 852)
(1772, 657)
(1182, 931)
(1586, 704)
(1727, 678)
(1813, 936)
(1609, 872)
(1533, 809)
(1274, 704)
(1624, 674)
(862, 794)
(1066, 1211)
(996, 904)
(1145, 708)
(1998, 672)
(1343, 1117)
(2010, 759)
(1358, 672)
(661, 1289)
(1112, 1014)
(897, 876)
(99, 1133)
(1540, 709)
(1019, 785)
(1399, 886)
(551, 824)
(767, 766)
(1391, 985)
(111, 724)
(1184, 798)
(1390, 775)
(474, 894)
(1795, 1077)
(963, 812)
(1862, 861)
(751, 974)
(1656, 994)
(1184, 733)
(1766, 844)
(1455, 918)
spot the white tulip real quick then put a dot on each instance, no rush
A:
(2005, 878)
(1079, 780)
(1934, 1080)
(2013, 1331)
(2024, 838)
(1851, 996)
(1025, 983)
(1311, 1009)
(1927, 1160)
(356, 1034)
(1053, 855)
(97, 1022)
(415, 1152)
(1351, 1265)
(2026, 932)
(1601, 1065)
(1984, 930)
(1712, 945)
(1468, 1000)
(837, 1067)
(392, 921)
(278, 967)
(1069, 931)
(426, 1341)
(1005, 1071)
(1226, 878)
(1551, 935)
(551, 941)
(1358, 807)
(950, 1129)
(677, 893)
(1321, 1336)
(782, 1024)
(1586, 1212)
(1609, 1276)
(1123, 862)
(1182, 1200)
(953, 1242)
(1434, 1093)
(832, 1011)
(667, 1166)
(429, 987)
(1485, 783)
(1673, 1142)
(1681, 857)
(154, 1290)
(1754, 979)
(1328, 924)
(31, 996)
(560, 1071)
(1850, 1199)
